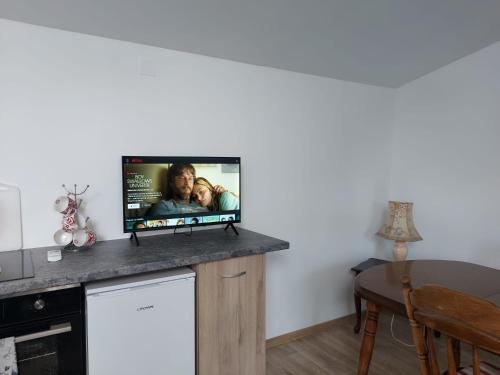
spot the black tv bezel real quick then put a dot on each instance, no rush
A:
(180, 159)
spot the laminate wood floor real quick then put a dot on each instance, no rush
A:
(335, 352)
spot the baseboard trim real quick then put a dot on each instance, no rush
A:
(295, 335)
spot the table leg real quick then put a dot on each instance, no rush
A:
(357, 304)
(365, 354)
(456, 352)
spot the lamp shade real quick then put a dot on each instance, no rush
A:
(399, 223)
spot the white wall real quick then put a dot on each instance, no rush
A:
(315, 151)
(446, 158)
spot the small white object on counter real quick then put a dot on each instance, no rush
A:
(54, 255)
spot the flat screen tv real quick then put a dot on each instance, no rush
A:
(167, 192)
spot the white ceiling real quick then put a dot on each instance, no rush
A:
(379, 42)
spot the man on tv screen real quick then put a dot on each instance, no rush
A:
(180, 182)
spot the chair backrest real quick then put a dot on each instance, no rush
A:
(460, 316)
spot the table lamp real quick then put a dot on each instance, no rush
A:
(400, 228)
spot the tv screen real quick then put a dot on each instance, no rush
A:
(167, 192)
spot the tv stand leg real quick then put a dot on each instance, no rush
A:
(134, 236)
(232, 227)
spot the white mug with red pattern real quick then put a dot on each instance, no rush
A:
(65, 205)
(84, 237)
(69, 223)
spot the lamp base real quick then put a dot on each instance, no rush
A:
(399, 251)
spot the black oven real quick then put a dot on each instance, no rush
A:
(48, 331)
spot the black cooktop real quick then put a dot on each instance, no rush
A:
(16, 265)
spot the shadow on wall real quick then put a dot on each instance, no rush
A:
(486, 254)
(380, 247)
(337, 292)
(378, 219)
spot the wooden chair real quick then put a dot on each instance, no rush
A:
(459, 316)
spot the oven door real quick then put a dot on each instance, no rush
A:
(48, 347)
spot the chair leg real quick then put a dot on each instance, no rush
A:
(434, 365)
(452, 360)
(456, 352)
(475, 361)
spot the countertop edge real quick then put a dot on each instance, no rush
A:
(38, 284)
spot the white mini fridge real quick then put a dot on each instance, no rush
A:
(142, 324)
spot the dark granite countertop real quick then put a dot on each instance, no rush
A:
(108, 259)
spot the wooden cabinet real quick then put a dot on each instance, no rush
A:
(230, 298)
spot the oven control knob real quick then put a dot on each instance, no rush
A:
(39, 304)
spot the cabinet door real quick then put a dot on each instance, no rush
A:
(230, 317)
(252, 316)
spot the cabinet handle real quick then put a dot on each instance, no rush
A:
(235, 275)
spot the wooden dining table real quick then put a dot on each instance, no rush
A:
(381, 287)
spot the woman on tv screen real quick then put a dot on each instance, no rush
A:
(215, 198)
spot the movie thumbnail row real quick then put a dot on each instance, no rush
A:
(145, 224)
